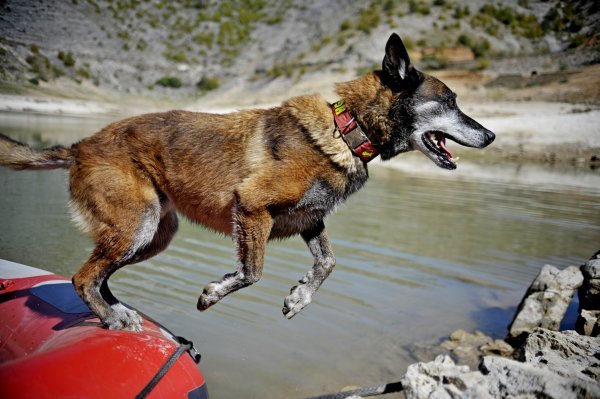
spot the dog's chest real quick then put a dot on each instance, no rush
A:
(318, 201)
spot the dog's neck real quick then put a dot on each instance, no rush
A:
(351, 132)
(359, 95)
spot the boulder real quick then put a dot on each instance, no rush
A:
(443, 379)
(468, 348)
(546, 301)
(566, 353)
(552, 365)
(497, 347)
(506, 378)
(588, 322)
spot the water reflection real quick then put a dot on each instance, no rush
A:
(418, 256)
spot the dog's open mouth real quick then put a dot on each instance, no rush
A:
(435, 143)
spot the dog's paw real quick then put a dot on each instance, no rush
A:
(123, 318)
(300, 296)
(209, 296)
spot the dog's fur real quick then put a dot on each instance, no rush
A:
(255, 175)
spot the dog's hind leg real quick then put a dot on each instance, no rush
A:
(301, 295)
(116, 248)
(119, 317)
(90, 282)
(129, 223)
(251, 232)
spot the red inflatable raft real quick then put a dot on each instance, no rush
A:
(51, 346)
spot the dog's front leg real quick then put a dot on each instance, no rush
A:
(301, 295)
(251, 232)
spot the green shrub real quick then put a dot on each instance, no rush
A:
(525, 25)
(345, 25)
(480, 47)
(368, 18)
(84, 72)
(285, 69)
(482, 63)
(141, 45)
(176, 56)
(563, 16)
(486, 22)
(66, 58)
(460, 12)
(204, 39)
(464, 40)
(576, 40)
(58, 72)
(529, 27)
(169, 81)
(418, 6)
(124, 35)
(208, 83)
(408, 43)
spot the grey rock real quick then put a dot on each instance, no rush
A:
(497, 347)
(468, 348)
(552, 365)
(589, 292)
(588, 322)
(443, 379)
(567, 354)
(591, 269)
(465, 346)
(508, 378)
(547, 299)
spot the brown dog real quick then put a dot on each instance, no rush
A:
(255, 175)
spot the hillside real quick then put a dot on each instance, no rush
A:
(243, 49)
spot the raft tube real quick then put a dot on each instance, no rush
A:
(52, 346)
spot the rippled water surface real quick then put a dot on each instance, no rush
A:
(418, 257)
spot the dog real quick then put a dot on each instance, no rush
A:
(255, 175)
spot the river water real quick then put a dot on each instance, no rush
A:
(419, 255)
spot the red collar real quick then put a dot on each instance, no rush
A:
(351, 132)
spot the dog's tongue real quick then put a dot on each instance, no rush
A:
(441, 142)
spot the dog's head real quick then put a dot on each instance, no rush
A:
(422, 112)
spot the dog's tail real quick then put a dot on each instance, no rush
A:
(19, 156)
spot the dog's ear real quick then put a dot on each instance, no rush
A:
(398, 71)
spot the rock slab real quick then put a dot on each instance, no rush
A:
(588, 322)
(567, 354)
(546, 301)
(443, 379)
(553, 365)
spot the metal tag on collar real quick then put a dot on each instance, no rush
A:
(355, 137)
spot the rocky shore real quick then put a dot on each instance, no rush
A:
(535, 359)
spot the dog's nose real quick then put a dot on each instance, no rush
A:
(489, 137)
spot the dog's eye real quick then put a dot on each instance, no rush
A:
(451, 102)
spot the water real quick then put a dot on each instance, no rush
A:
(419, 255)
